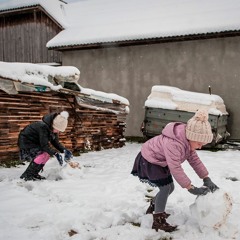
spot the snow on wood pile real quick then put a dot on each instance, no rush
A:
(97, 121)
(54, 78)
(38, 74)
(173, 98)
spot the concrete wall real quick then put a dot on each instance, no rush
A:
(191, 65)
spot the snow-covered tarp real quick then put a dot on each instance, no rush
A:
(173, 98)
(38, 74)
(47, 76)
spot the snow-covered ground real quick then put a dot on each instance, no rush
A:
(103, 201)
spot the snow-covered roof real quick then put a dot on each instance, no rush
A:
(173, 98)
(55, 8)
(43, 75)
(105, 21)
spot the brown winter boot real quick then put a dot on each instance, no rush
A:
(150, 210)
(159, 222)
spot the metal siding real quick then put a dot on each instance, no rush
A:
(157, 118)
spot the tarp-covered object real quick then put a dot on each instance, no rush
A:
(28, 77)
(173, 98)
(37, 74)
(167, 104)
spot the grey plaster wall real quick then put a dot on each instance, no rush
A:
(191, 65)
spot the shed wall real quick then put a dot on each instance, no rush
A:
(190, 65)
(23, 37)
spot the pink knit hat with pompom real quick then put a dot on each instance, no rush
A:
(198, 128)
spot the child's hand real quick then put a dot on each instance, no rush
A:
(59, 158)
(199, 191)
(67, 155)
(208, 183)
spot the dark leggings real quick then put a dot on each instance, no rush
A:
(160, 200)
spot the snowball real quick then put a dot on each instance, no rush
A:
(212, 210)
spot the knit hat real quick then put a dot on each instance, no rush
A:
(198, 128)
(60, 122)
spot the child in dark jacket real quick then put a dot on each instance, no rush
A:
(161, 157)
(34, 145)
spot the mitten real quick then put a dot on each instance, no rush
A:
(208, 183)
(59, 158)
(67, 155)
(199, 191)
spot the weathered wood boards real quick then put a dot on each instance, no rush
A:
(89, 128)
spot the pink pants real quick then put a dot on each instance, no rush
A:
(42, 158)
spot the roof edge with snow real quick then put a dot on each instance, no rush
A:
(139, 41)
(31, 6)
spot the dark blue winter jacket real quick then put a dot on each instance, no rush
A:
(39, 135)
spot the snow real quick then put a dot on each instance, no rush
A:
(102, 200)
(173, 98)
(39, 74)
(105, 96)
(36, 74)
(211, 213)
(94, 21)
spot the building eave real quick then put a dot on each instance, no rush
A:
(200, 36)
(22, 10)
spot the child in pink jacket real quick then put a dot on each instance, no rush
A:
(161, 158)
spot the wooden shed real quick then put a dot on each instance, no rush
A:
(25, 30)
(96, 121)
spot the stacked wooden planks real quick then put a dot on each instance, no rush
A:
(89, 128)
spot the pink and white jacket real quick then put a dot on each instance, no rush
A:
(171, 149)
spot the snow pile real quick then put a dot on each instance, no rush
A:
(173, 98)
(38, 74)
